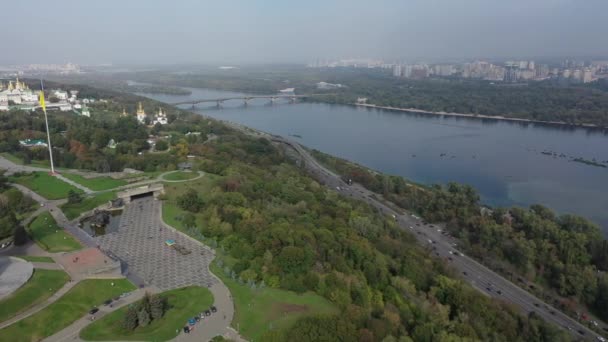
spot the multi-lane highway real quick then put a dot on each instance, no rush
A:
(479, 276)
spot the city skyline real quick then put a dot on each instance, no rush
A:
(240, 32)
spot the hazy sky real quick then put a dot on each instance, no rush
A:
(232, 31)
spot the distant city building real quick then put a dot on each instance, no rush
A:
(17, 93)
(587, 76)
(397, 71)
(287, 91)
(325, 85)
(141, 114)
(85, 111)
(160, 118)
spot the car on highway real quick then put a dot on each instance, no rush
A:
(93, 311)
(213, 309)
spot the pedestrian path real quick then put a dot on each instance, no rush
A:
(72, 332)
(72, 183)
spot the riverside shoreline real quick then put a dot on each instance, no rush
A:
(480, 116)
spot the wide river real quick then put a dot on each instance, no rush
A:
(502, 160)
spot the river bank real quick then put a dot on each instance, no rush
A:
(502, 159)
(479, 116)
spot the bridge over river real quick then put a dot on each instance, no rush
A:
(247, 98)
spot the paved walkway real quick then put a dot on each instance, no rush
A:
(14, 272)
(162, 177)
(40, 306)
(62, 221)
(47, 266)
(77, 185)
(142, 247)
(140, 243)
(11, 167)
(71, 332)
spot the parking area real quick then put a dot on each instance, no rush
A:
(141, 242)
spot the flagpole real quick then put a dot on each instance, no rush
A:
(46, 121)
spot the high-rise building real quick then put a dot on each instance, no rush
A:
(587, 76)
(510, 72)
(397, 70)
(523, 65)
(407, 71)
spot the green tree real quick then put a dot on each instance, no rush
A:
(130, 320)
(74, 197)
(158, 306)
(190, 201)
(20, 235)
(143, 317)
(161, 145)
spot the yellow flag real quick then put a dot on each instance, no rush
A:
(42, 104)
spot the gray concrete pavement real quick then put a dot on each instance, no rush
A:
(140, 243)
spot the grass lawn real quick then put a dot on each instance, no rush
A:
(45, 185)
(170, 214)
(66, 310)
(180, 175)
(73, 210)
(39, 288)
(52, 238)
(184, 303)
(96, 184)
(34, 258)
(260, 310)
(11, 157)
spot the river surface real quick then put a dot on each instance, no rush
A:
(502, 160)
